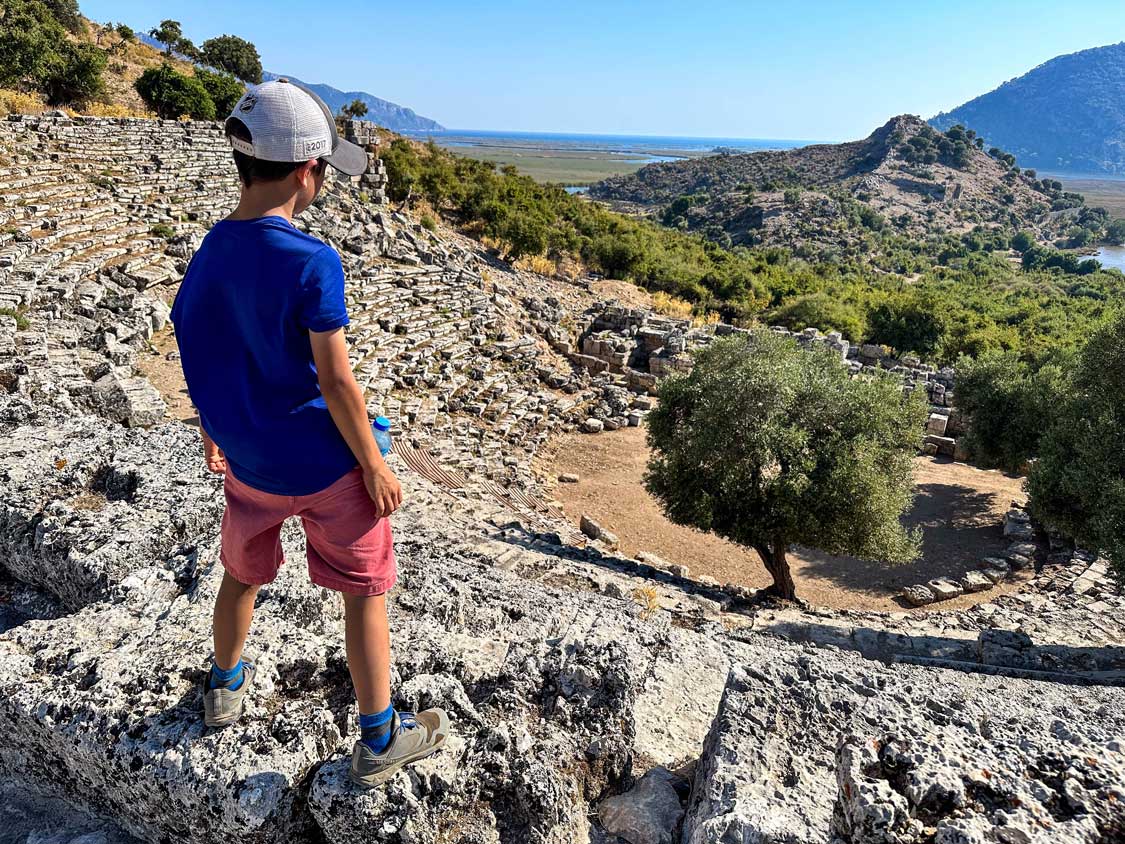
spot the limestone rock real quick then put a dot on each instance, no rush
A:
(917, 596)
(901, 747)
(943, 588)
(646, 814)
(975, 581)
(132, 401)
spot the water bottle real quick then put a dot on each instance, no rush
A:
(382, 429)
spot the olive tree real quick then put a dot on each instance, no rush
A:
(768, 444)
(1078, 483)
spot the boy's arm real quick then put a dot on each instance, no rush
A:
(345, 403)
(212, 454)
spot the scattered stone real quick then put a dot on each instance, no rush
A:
(646, 814)
(975, 581)
(568, 478)
(918, 596)
(592, 426)
(943, 588)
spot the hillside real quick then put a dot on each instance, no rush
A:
(903, 178)
(127, 59)
(1067, 114)
(382, 112)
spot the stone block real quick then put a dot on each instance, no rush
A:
(975, 581)
(917, 596)
(937, 424)
(944, 588)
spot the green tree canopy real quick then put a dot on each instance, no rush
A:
(171, 94)
(223, 89)
(234, 55)
(767, 444)
(1010, 402)
(1078, 483)
(29, 35)
(356, 108)
(170, 33)
(907, 324)
(74, 74)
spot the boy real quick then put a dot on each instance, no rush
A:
(259, 322)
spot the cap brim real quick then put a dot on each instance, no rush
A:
(350, 159)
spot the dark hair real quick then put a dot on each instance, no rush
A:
(252, 169)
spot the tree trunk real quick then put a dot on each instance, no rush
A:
(778, 567)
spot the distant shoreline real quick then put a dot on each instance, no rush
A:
(577, 160)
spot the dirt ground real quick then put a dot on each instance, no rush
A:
(959, 510)
(166, 375)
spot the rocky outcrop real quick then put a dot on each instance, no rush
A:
(828, 747)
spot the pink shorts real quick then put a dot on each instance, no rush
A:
(349, 549)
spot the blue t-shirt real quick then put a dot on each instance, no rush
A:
(243, 314)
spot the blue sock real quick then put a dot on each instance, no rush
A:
(221, 678)
(375, 730)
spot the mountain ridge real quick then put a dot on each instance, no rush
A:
(1066, 114)
(389, 115)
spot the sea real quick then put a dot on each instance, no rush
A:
(644, 149)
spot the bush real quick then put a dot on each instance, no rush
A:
(223, 89)
(767, 445)
(74, 75)
(163, 230)
(428, 223)
(1010, 403)
(171, 94)
(819, 310)
(29, 36)
(907, 324)
(234, 55)
(1077, 483)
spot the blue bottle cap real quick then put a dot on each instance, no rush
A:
(382, 423)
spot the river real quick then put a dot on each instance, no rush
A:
(1112, 257)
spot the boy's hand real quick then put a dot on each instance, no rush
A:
(213, 456)
(384, 489)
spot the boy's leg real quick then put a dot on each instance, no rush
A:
(234, 609)
(367, 638)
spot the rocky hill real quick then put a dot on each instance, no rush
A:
(1066, 115)
(596, 699)
(904, 177)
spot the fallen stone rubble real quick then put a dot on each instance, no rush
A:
(595, 698)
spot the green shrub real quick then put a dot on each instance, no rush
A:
(21, 321)
(819, 310)
(428, 222)
(172, 94)
(223, 89)
(1077, 484)
(1010, 402)
(74, 75)
(163, 230)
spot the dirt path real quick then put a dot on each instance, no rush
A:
(959, 510)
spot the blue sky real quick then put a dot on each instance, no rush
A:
(801, 70)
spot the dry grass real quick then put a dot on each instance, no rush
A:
(671, 306)
(16, 102)
(646, 596)
(539, 264)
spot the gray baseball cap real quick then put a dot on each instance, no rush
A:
(288, 122)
